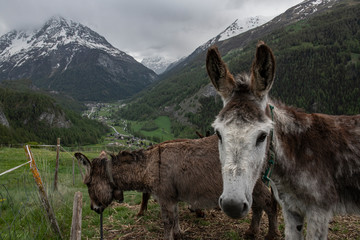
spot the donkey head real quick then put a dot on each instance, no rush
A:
(242, 126)
(98, 178)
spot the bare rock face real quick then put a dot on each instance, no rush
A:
(55, 120)
(3, 119)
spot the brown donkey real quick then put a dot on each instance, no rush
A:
(317, 157)
(173, 171)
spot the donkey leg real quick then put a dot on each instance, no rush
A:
(253, 230)
(177, 230)
(265, 200)
(294, 223)
(169, 214)
(144, 203)
(260, 196)
(317, 224)
(271, 209)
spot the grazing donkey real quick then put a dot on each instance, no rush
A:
(172, 171)
(316, 173)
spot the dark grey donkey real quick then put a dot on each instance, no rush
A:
(317, 157)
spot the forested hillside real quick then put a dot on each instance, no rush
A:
(33, 117)
(318, 62)
(318, 69)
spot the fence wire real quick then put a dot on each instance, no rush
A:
(22, 215)
(20, 208)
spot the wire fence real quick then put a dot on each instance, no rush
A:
(19, 208)
(22, 215)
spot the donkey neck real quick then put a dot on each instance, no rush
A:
(290, 129)
(290, 170)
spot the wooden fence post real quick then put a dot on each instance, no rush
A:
(42, 192)
(57, 164)
(73, 170)
(75, 233)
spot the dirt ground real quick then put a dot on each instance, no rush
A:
(215, 225)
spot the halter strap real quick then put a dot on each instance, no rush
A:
(271, 153)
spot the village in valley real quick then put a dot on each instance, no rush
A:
(120, 137)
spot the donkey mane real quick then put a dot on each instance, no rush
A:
(128, 157)
(241, 93)
(242, 82)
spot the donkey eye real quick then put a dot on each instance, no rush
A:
(219, 135)
(261, 138)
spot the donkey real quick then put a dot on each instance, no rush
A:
(172, 171)
(316, 173)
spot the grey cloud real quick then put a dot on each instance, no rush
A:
(143, 28)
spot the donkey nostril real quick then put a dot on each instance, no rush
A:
(220, 201)
(245, 207)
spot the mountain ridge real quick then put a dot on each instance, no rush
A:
(67, 56)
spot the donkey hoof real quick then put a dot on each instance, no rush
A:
(273, 236)
(250, 234)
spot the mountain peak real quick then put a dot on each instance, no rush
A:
(157, 64)
(56, 32)
(237, 27)
(57, 19)
(242, 25)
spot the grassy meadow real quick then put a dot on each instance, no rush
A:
(22, 215)
(21, 212)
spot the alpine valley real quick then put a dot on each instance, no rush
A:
(316, 44)
(68, 57)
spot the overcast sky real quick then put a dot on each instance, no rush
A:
(143, 28)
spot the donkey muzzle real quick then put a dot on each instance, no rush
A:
(234, 208)
(97, 209)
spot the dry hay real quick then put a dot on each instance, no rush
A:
(215, 225)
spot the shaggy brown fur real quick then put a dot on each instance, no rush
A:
(173, 171)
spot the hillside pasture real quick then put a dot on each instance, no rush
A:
(160, 134)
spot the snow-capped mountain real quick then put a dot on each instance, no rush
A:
(67, 56)
(157, 64)
(243, 25)
(160, 64)
(55, 33)
(237, 27)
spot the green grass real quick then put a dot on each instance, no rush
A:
(163, 132)
(232, 235)
(21, 213)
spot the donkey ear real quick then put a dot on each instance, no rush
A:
(263, 70)
(103, 154)
(84, 162)
(219, 74)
